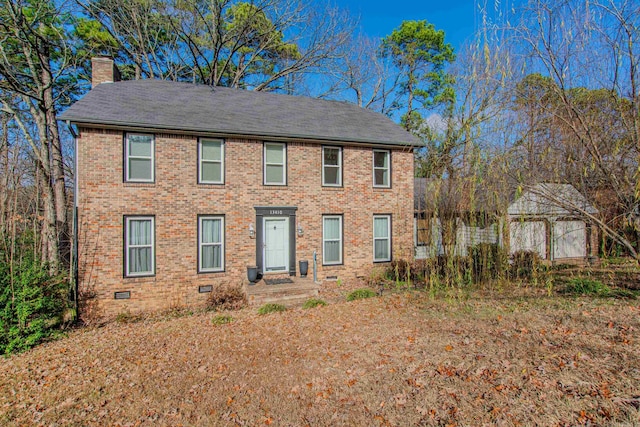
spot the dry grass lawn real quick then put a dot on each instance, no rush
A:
(398, 360)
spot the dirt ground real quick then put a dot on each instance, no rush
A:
(396, 360)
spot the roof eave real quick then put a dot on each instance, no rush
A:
(121, 125)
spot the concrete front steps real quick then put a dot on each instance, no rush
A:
(289, 294)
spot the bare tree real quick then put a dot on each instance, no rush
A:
(586, 103)
(361, 75)
(459, 138)
(261, 45)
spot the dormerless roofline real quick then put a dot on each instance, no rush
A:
(125, 126)
(185, 107)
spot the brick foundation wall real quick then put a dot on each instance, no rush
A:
(176, 200)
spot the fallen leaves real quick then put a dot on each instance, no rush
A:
(410, 363)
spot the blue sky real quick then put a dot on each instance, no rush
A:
(379, 18)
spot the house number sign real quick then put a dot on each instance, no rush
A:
(275, 212)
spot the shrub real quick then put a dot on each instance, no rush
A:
(361, 294)
(221, 319)
(586, 286)
(488, 261)
(313, 302)
(378, 276)
(271, 308)
(525, 264)
(227, 297)
(32, 305)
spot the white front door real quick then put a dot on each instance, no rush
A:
(276, 244)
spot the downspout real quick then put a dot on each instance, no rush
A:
(74, 240)
(315, 268)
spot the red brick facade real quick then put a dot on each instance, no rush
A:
(176, 199)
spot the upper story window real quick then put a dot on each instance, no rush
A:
(210, 161)
(381, 238)
(139, 246)
(275, 163)
(382, 168)
(332, 166)
(139, 157)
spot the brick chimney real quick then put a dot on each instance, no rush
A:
(103, 70)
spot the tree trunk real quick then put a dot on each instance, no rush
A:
(50, 247)
(57, 165)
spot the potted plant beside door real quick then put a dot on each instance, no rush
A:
(252, 274)
(304, 267)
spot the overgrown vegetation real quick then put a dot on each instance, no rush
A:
(227, 296)
(362, 293)
(271, 308)
(486, 264)
(32, 304)
(525, 264)
(314, 302)
(489, 267)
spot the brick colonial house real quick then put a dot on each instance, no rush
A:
(180, 187)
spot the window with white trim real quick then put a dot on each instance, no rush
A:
(332, 166)
(210, 244)
(211, 161)
(139, 157)
(381, 238)
(382, 168)
(139, 246)
(331, 239)
(275, 163)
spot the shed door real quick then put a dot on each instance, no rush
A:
(528, 236)
(569, 239)
(276, 244)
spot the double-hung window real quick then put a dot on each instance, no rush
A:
(332, 166)
(382, 168)
(381, 238)
(332, 239)
(211, 161)
(210, 244)
(139, 246)
(139, 157)
(275, 163)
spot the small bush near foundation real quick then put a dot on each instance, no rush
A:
(271, 308)
(361, 294)
(227, 297)
(221, 319)
(313, 302)
(585, 286)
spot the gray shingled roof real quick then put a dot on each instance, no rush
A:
(160, 104)
(551, 199)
